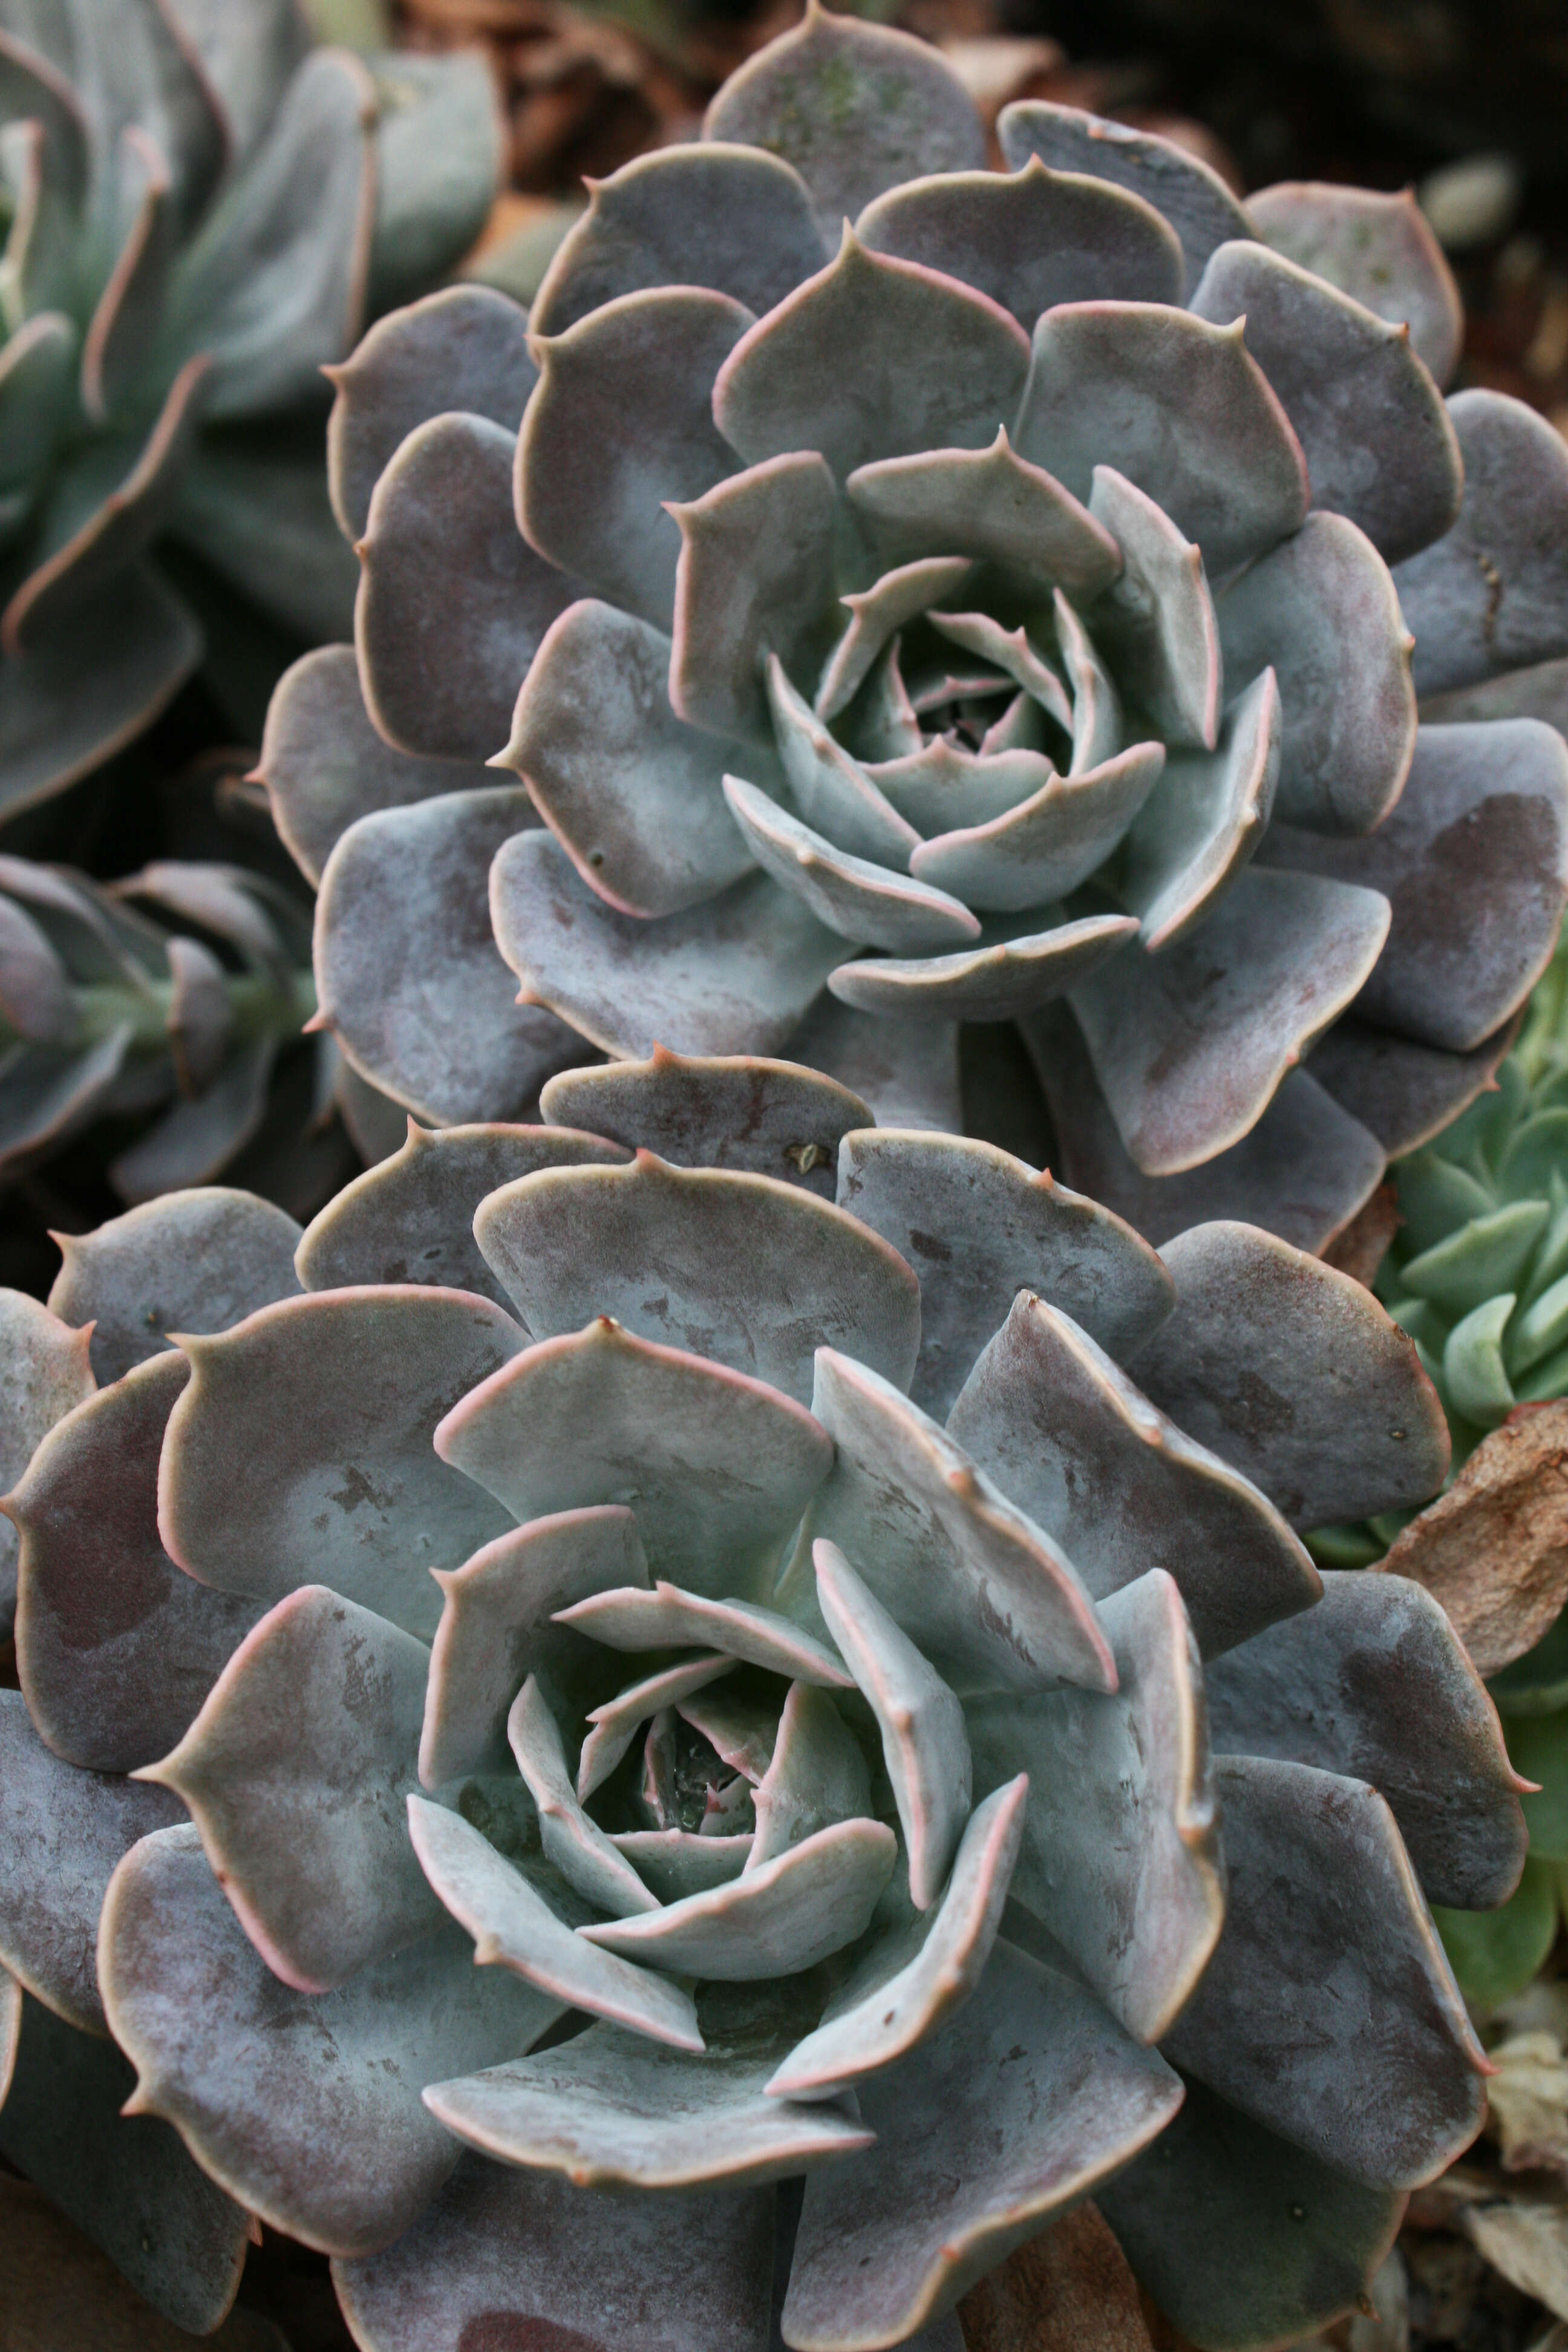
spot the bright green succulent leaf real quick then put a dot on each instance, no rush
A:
(1485, 1256)
(1474, 1376)
(1495, 1953)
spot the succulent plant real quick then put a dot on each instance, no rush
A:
(814, 1612)
(105, 1008)
(200, 213)
(981, 608)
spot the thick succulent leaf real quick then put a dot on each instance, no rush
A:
(616, 1723)
(1242, 2236)
(440, 673)
(733, 975)
(989, 504)
(720, 1466)
(678, 1863)
(116, 1647)
(515, 1928)
(872, 358)
(1030, 239)
(978, 1225)
(128, 311)
(272, 286)
(35, 987)
(464, 347)
(775, 1920)
(348, 1484)
(773, 1118)
(1049, 843)
(907, 1070)
(1121, 1859)
(1096, 717)
(876, 615)
(908, 1983)
(1321, 610)
(994, 982)
(1205, 821)
(924, 1747)
(1492, 594)
(573, 1841)
(1374, 1684)
(1302, 1172)
(1047, 1415)
(294, 1772)
(127, 2182)
(1190, 1045)
(502, 2249)
(621, 425)
(61, 1833)
(1158, 619)
(1321, 1892)
(49, 1096)
(410, 1217)
(198, 1261)
(85, 689)
(306, 2111)
(497, 1629)
(870, 905)
(965, 1574)
(755, 577)
(1181, 188)
(1405, 1093)
(1295, 1375)
(727, 217)
(254, 508)
(943, 783)
(856, 108)
(195, 1139)
(632, 794)
(1223, 463)
(815, 1776)
(407, 968)
(1473, 862)
(1379, 444)
(44, 1372)
(741, 1268)
(614, 2109)
(1012, 651)
(829, 788)
(1018, 2107)
(439, 149)
(627, 1618)
(104, 512)
(1379, 249)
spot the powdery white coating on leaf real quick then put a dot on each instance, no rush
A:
(1295, 1375)
(1321, 1894)
(201, 1261)
(718, 1468)
(1066, 1434)
(1026, 2098)
(308, 2112)
(752, 1273)
(1121, 1859)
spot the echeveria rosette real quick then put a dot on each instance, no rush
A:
(981, 608)
(737, 1592)
(200, 212)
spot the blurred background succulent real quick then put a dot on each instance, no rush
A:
(795, 1709)
(865, 603)
(201, 212)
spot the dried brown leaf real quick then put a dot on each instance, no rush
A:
(1360, 1247)
(1068, 2290)
(1528, 2103)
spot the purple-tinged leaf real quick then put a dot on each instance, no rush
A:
(876, 616)
(869, 905)
(831, 790)
(349, 1385)
(906, 1070)
(1295, 1375)
(1182, 189)
(1221, 460)
(856, 108)
(1322, 1893)
(1405, 1093)
(306, 2110)
(964, 1573)
(44, 1372)
(1379, 249)
(730, 219)
(294, 1773)
(978, 1225)
(629, 1618)
(1121, 1859)
(116, 1646)
(1070, 1439)
(497, 1628)
(1158, 619)
(620, 427)
(1205, 821)
(1046, 844)
(734, 975)
(755, 577)
(995, 982)
(872, 358)
(770, 1119)
(989, 504)
(721, 1466)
